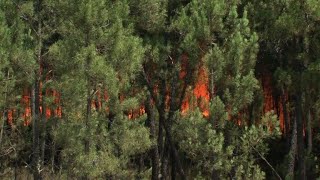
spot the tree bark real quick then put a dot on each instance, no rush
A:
(161, 110)
(173, 166)
(293, 151)
(36, 164)
(285, 114)
(154, 150)
(164, 162)
(309, 131)
(4, 112)
(87, 121)
(300, 138)
(286, 118)
(160, 104)
(43, 130)
(174, 150)
(3, 119)
(89, 98)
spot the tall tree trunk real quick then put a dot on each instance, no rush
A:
(89, 100)
(309, 131)
(174, 150)
(285, 113)
(163, 121)
(43, 130)
(160, 139)
(4, 112)
(36, 164)
(154, 150)
(174, 106)
(53, 147)
(164, 161)
(86, 137)
(173, 166)
(87, 120)
(300, 138)
(285, 118)
(293, 151)
(161, 110)
(3, 119)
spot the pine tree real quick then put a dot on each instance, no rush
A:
(98, 55)
(4, 72)
(289, 33)
(230, 49)
(19, 67)
(183, 35)
(159, 89)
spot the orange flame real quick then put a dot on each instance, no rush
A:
(200, 92)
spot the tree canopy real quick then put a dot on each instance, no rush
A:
(159, 89)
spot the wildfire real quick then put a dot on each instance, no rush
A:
(27, 107)
(199, 97)
(200, 93)
(27, 112)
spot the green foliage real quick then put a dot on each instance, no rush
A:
(103, 56)
(126, 140)
(149, 15)
(232, 155)
(131, 136)
(232, 48)
(94, 51)
(75, 161)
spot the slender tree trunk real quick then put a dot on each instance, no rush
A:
(293, 151)
(286, 119)
(309, 131)
(88, 108)
(4, 115)
(154, 150)
(87, 121)
(300, 138)
(53, 145)
(162, 117)
(164, 161)
(43, 130)
(160, 104)
(36, 164)
(174, 150)
(53, 152)
(285, 114)
(174, 106)
(3, 119)
(173, 166)
(89, 100)
(160, 134)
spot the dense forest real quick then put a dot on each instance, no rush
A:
(159, 89)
